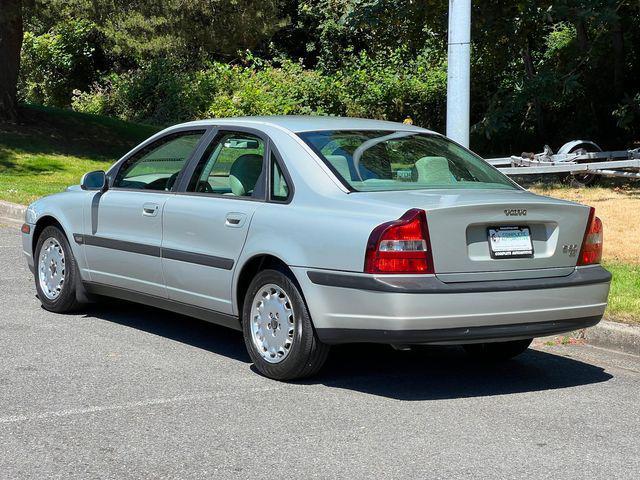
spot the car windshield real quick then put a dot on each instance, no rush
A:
(371, 160)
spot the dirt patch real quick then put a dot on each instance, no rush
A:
(619, 209)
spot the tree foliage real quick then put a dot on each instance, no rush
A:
(66, 58)
(138, 30)
(542, 72)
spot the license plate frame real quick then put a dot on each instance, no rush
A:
(520, 246)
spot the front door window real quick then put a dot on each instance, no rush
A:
(156, 166)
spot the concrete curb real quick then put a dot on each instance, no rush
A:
(606, 334)
(12, 212)
(615, 336)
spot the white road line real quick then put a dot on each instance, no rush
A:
(123, 406)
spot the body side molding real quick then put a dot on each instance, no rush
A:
(113, 244)
(154, 251)
(198, 258)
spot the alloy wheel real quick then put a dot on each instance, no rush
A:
(272, 323)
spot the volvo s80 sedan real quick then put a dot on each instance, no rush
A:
(304, 232)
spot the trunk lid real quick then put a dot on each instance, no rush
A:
(459, 223)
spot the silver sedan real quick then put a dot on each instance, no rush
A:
(305, 232)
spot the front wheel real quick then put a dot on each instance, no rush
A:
(498, 350)
(277, 329)
(56, 273)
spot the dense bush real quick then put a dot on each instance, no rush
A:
(162, 92)
(55, 63)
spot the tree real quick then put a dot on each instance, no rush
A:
(327, 32)
(142, 30)
(10, 44)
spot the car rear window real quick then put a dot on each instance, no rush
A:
(374, 160)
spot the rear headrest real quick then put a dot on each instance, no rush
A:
(244, 174)
(341, 164)
(434, 170)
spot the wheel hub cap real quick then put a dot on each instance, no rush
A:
(272, 323)
(51, 268)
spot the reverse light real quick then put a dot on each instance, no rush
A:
(401, 246)
(591, 251)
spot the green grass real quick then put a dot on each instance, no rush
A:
(50, 149)
(624, 297)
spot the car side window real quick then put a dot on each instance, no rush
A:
(232, 165)
(279, 185)
(156, 166)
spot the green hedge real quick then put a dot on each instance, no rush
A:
(163, 92)
(56, 63)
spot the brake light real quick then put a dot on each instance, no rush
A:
(401, 246)
(591, 251)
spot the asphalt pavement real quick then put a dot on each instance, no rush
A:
(124, 391)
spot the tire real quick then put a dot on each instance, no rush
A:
(497, 351)
(61, 261)
(281, 340)
(584, 179)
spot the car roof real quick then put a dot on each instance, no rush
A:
(307, 123)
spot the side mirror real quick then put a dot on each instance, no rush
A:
(96, 180)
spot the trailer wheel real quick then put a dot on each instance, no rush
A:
(582, 179)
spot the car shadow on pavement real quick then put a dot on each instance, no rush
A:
(424, 373)
(435, 372)
(173, 326)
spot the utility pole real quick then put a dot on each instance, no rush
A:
(459, 71)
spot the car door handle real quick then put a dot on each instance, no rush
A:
(150, 209)
(235, 219)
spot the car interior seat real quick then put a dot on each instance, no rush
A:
(341, 164)
(244, 174)
(434, 170)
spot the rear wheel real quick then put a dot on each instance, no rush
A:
(277, 329)
(56, 273)
(497, 351)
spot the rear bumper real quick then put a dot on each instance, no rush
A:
(350, 308)
(458, 335)
(431, 284)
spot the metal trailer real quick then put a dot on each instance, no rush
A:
(583, 159)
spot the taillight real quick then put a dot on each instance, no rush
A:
(591, 251)
(401, 246)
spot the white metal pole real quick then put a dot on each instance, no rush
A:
(459, 71)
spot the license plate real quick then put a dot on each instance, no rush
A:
(510, 242)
